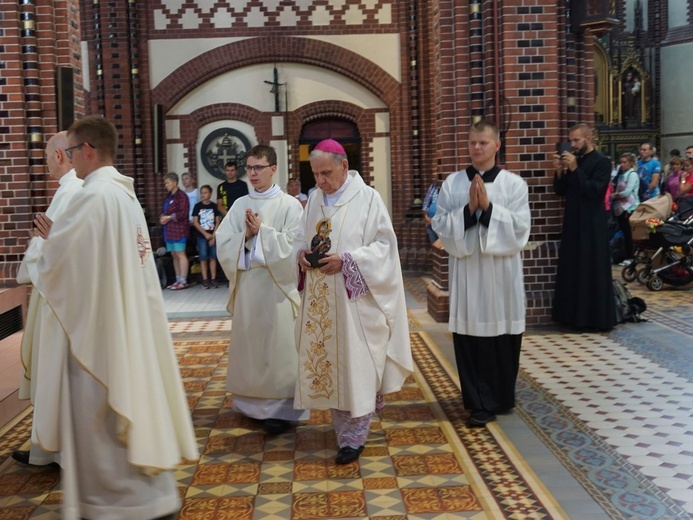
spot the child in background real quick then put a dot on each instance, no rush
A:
(206, 218)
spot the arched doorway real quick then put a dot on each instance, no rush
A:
(342, 130)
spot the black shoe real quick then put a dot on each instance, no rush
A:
(276, 426)
(347, 454)
(21, 456)
(480, 418)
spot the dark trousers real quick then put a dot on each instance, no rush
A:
(624, 226)
(488, 370)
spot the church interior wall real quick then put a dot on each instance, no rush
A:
(175, 160)
(203, 176)
(381, 49)
(308, 84)
(35, 39)
(380, 165)
(305, 84)
(677, 114)
(173, 53)
(282, 175)
(677, 13)
(411, 75)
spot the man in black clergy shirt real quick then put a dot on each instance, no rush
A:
(584, 296)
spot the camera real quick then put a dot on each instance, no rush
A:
(563, 147)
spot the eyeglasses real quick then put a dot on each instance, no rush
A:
(69, 149)
(258, 167)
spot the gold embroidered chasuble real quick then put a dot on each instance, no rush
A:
(351, 349)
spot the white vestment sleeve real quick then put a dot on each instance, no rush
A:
(300, 238)
(276, 245)
(230, 239)
(448, 221)
(508, 230)
(256, 255)
(28, 270)
(378, 262)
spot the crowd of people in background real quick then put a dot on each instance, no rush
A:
(635, 181)
(678, 179)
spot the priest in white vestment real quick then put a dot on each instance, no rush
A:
(60, 169)
(254, 246)
(120, 415)
(352, 332)
(483, 221)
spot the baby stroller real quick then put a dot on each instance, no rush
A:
(672, 261)
(658, 208)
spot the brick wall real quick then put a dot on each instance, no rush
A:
(119, 85)
(513, 61)
(28, 114)
(516, 63)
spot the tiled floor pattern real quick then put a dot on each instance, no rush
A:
(420, 462)
(202, 325)
(612, 420)
(617, 408)
(562, 397)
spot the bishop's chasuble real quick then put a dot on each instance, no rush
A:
(263, 300)
(352, 332)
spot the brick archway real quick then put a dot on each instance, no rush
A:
(342, 109)
(337, 110)
(274, 49)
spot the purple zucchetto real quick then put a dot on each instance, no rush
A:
(330, 146)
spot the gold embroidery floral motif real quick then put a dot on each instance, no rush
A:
(143, 245)
(319, 327)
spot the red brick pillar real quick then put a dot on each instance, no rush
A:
(437, 291)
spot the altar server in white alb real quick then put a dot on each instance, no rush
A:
(121, 420)
(254, 246)
(483, 221)
(352, 331)
(60, 169)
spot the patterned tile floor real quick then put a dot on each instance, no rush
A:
(603, 429)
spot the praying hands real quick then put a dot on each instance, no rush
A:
(478, 198)
(42, 225)
(252, 224)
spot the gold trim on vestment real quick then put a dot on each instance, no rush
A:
(294, 306)
(318, 368)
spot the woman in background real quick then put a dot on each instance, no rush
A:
(625, 199)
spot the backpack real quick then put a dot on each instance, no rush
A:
(628, 307)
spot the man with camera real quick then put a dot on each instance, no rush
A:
(584, 297)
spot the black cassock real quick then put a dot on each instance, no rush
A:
(584, 296)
